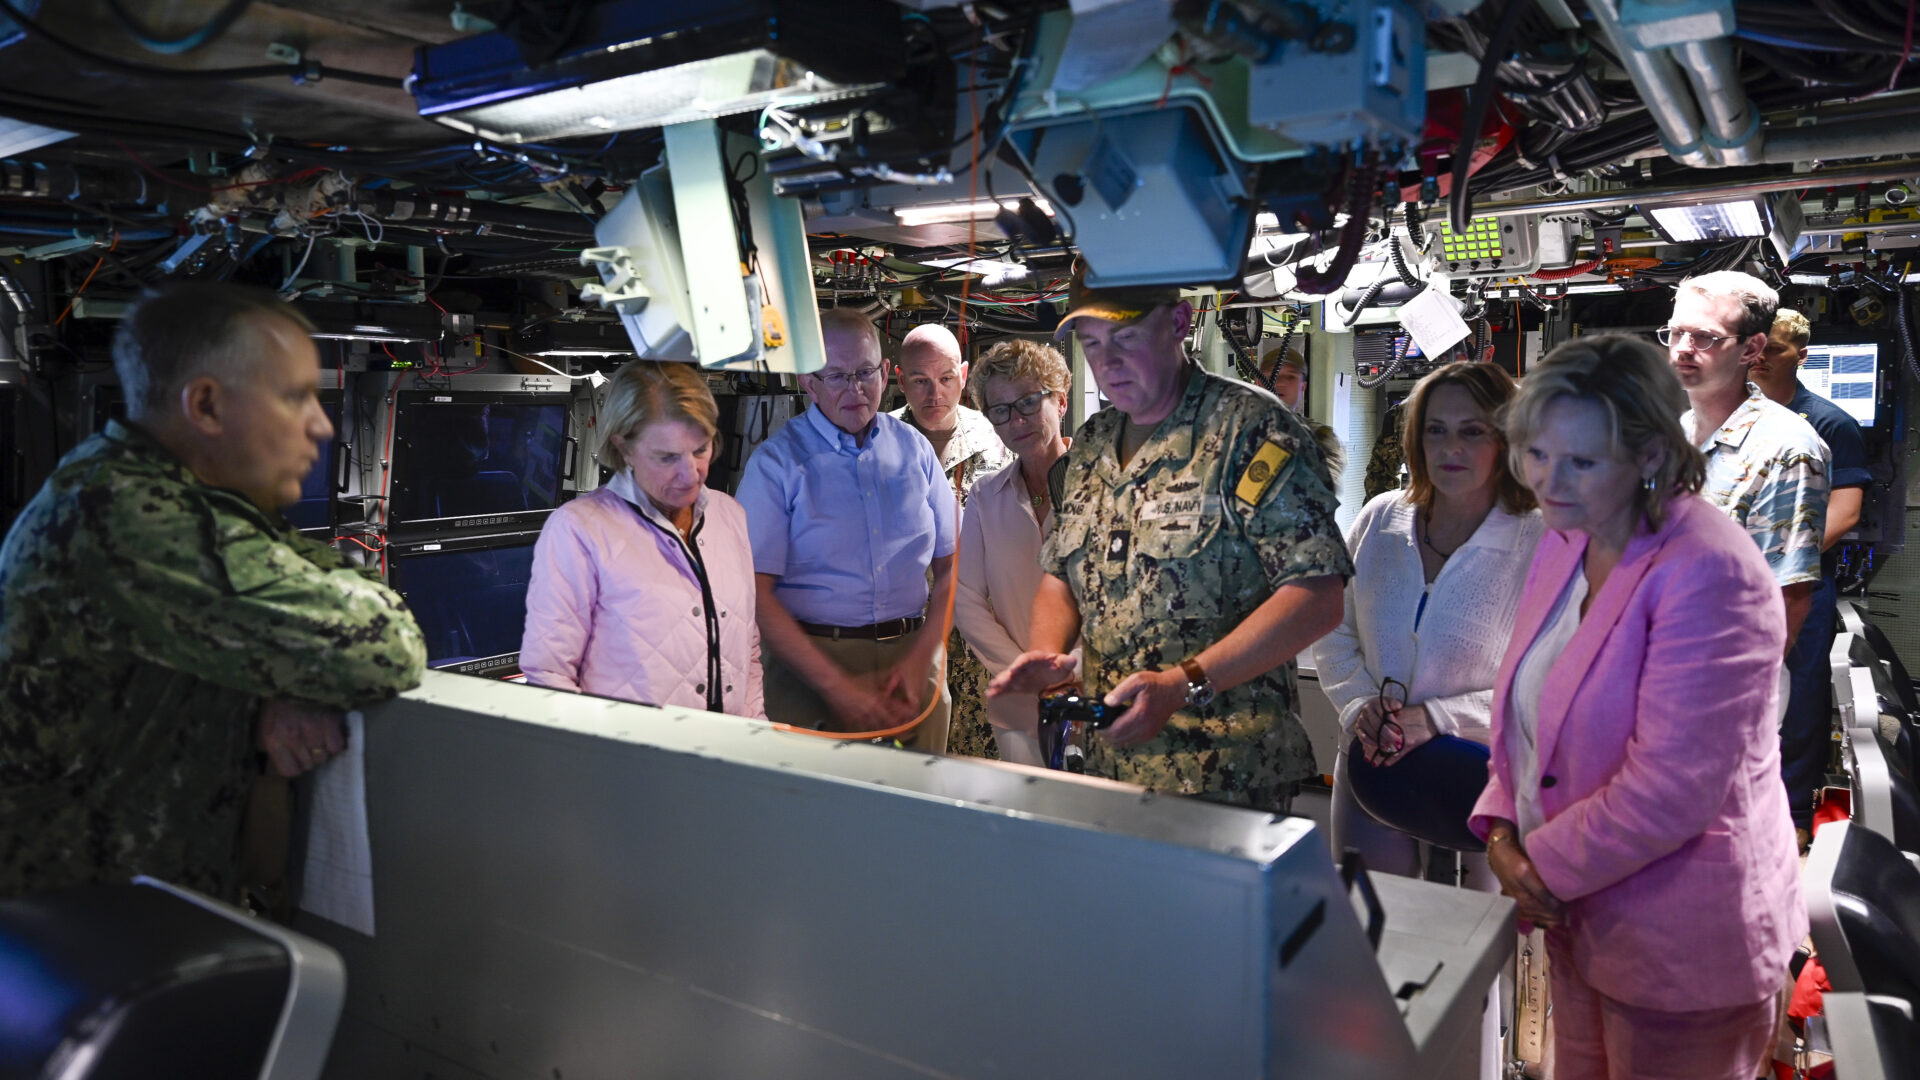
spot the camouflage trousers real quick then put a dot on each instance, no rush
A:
(967, 680)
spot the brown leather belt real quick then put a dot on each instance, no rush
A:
(892, 628)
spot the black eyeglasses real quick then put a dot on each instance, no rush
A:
(1026, 406)
(1390, 738)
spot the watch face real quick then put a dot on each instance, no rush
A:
(1199, 694)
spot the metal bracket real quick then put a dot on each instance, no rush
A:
(622, 289)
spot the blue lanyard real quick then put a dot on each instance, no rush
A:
(1421, 610)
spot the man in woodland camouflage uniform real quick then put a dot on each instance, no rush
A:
(159, 620)
(1195, 554)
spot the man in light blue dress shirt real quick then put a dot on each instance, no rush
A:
(848, 511)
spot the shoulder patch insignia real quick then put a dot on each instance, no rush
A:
(1260, 474)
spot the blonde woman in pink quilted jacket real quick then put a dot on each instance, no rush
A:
(643, 589)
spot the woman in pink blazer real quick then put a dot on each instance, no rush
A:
(643, 588)
(1635, 807)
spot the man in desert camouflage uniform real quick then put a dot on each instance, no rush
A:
(159, 620)
(1195, 554)
(933, 376)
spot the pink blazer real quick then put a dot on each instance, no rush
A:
(1666, 820)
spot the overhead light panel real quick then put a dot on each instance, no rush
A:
(1711, 222)
(949, 212)
(642, 64)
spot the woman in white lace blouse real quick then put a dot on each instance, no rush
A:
(1438, 568)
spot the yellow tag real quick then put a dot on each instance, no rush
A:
(1260, 474)
(773, 329)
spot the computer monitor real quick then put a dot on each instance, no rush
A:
(467, 460)
(314, 512)
(1847, 374)
(470, 598)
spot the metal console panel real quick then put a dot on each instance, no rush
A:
(571, 887)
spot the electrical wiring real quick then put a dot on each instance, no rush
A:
(1459, 198)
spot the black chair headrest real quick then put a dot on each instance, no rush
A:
(131, 976)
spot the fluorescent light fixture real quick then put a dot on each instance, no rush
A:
(584, 352)
(641, 64)
(948, 213)
(1707, 223)
(372, 334)
(983, 267)
(725, 85)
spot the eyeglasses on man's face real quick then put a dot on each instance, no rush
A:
(1691, 339)
(1025, 406)
(838, 381)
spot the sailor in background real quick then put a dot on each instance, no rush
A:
(1805, 742)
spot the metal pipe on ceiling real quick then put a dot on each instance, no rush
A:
(1867, 137)
(1733, 123)
(1662, 88)
(1866, 172)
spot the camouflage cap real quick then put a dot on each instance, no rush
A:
(1119, 306)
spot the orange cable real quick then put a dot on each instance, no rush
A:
(97, 264)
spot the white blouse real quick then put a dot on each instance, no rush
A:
(1529, 679)
(1443, 641)
(999, 573)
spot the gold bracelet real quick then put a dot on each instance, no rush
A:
(1500, 838)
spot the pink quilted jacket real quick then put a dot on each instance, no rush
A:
(614, 607)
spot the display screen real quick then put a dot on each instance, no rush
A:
(470, 603)
(316, 491)
(1846, 375)
(456, 458)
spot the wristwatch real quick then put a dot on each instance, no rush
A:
(1199, 687)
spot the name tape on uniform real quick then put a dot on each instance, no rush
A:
(1182, 506)
(1261, 472)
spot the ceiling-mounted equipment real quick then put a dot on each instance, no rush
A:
(1491, 247)
(676, 266)
(1179, 144)
(642, 64)
(1150, 196)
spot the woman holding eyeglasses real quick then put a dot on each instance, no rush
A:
(1438, 568)
(1021, 386)
(1634, 806)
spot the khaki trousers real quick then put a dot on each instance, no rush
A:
(790, 700)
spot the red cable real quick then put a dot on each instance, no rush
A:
(1906, 48)
(1606, 248)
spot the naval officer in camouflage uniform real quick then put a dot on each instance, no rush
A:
(159, 620)
(1195, 554)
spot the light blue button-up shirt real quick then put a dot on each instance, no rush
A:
(849, 530)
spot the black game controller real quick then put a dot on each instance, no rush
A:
(1072, 708)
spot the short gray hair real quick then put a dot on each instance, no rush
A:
(846, 320)
(180, 331)
(1758, 300)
